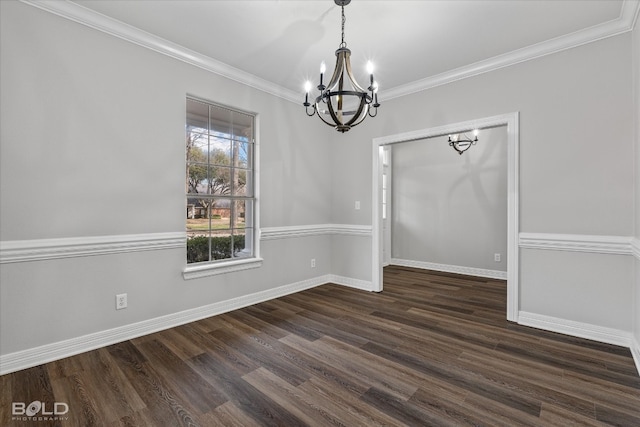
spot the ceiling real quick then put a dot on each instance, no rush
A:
(283, 42)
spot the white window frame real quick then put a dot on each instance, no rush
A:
(212, 268)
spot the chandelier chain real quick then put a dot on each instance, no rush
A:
(344, 19)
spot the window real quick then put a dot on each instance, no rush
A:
(220, 185)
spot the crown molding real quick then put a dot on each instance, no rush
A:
(82, 15)
(100, 22)
(625, 22)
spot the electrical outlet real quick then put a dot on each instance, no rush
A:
(497, 257)
(313, 263)
(121, 301)
(357, 205)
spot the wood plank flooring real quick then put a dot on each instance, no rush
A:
(433, 349)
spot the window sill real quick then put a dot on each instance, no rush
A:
(198, 271)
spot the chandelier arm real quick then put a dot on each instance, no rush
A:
(337, 71)
(358, 113)
(369, 112)
(337, 121)
(333, 125)
(313, 110)
(345, 92)
(350, 75)
(340, 98)
(364, 116)
(466, 140)
(361, 114)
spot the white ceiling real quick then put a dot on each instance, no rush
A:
(283, 42)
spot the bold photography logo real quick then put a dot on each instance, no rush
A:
(38, 410)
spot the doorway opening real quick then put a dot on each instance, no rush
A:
(381, 178)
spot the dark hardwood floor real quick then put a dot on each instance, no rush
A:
(433, 349)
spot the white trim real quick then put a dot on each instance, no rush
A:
(630, 12)
(362, 285)
(635, 345)
(100, 22)
(622, 24)
(635, 352)
(58, 350)
(576, 329)
(71, 247)
(47, 353)
(470, 271)
(273, 233)
(512, 122)
(376, 214)
(620, 245)
(221, 267)
(198, 271)
(351, 230)
(113, 27)
(635, 247)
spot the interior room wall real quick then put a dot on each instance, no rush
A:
(576, 168)
(92, 144)
(450, 208)
(636, 93)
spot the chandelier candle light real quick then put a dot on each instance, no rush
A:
(462, 145)
(342, 103)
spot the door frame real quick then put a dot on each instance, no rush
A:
(512, 123)
(386, 231)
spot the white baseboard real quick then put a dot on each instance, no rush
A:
(471, 271)
(635, 352)
(362, 285)
(576, 329)
(47, 353)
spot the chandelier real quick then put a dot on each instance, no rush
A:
(462, 144)
(342, 103)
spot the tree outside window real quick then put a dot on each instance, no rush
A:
(219, 182)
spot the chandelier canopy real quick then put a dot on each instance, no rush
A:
(343, 103)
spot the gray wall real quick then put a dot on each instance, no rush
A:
(576, 169)
(92, 144)
(448, 208)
